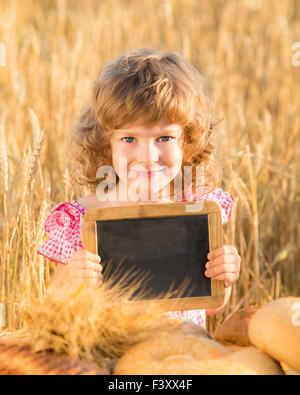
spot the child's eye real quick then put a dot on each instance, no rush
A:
(168, 137)
(128, 138)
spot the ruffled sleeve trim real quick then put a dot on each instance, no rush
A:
(222, 198)
(63, 226)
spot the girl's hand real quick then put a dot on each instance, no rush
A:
(224, 264)
(83, 267)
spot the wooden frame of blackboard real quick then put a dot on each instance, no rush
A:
(208, 208)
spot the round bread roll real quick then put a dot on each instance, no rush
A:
(256, 360)
(169, 353)
(235, 328)
(275, 329)
(178, 354)
(17, 358)
(233, 347)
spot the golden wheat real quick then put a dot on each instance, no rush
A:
(54, 51)
(3, 164)
(92, 324)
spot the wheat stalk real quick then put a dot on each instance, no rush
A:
(4, 177)
(40, 225)
(67, 182)
(258, 160)
(241, 189)
(36, 129)
(30, 160)
(39, 139)
(3, 162)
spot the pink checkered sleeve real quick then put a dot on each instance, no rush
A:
(63, 227)
(223, 199)
(197, 316)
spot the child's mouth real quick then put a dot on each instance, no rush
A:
(148, 173)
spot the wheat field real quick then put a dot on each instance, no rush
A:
(248, 48)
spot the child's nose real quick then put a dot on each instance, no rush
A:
(148, 153)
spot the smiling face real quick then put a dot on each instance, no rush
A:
(153, 156)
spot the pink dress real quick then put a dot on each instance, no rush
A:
(64, 222)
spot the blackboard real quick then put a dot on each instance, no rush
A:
(165, 243)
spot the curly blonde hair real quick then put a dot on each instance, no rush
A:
(150, 85)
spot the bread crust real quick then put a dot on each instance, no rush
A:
(234, 330)
(274, 329)
(179, 354)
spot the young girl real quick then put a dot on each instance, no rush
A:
(150, 115)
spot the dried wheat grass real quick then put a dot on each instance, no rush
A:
(93, 324)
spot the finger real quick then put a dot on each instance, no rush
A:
(99, 269)
(223, 259)
(79, 264)
(91, 256)
(99, 280)
(220, 269)
(85, 254)
(225, 249)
